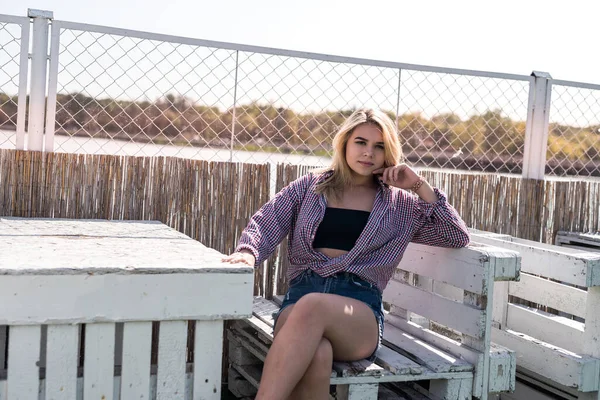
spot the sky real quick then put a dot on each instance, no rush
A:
(510, 36)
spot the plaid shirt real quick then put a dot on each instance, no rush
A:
(398, 217)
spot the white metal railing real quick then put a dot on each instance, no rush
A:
(117, 91)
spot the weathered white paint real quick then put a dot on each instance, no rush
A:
(61, 362)
(122, 298)
(500, 304)
(559, 365)
(561, 297)
(171, 359)
(98, 368)
(427, 354)
(502, 360)
(576, 268)
(366, 391)
(430, 305)
(207, 360)
(560, 331)
(462, 268)
(135, 375)
(591, 337)
(452, 389)
(23, 356)
(189, 378)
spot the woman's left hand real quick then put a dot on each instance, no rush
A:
(401, 176)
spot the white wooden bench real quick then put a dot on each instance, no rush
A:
(437, 332)
(556, 352)
(60, 276)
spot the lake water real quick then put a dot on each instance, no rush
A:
(82, 145)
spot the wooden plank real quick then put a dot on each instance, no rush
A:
(459, 389)
(397, 363)
(135, 375)
(576, 268)
(591, 337)
(423, 352)
(99, 361)
(95, 297)
(502, 360)
(559, 331)
(466, 319)
(365, 391)
(23, 355)
(461, 268)
(208, 353)
(559, 365)
(61, 362)
(171, 359)
(555, 295)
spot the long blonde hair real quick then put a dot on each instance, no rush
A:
(333, 186)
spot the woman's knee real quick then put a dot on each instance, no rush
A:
(309, 306)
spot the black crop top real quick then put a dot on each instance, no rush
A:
(340, 228)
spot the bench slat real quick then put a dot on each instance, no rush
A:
(207, 359)
(99, 361)
(453, 314)
(552, 294)
(559, 331)
(135, 376)
(582, 269)
(422, 352)
(23, 356)
(559, 365)
(61, 362)
(171, 373)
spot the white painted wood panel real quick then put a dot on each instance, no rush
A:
(3, 390)
(208, 353)
(555, 295)
(559, 331)
(172, 342)
(561, 366)
(365, 391)
(456, 315)
(502, 360)
(425, 353)
(135, 375)
(98, 368)
(461, 268)
(591, 337)
(23, 356)
(70, 249)
(123, 298)
(582, 269)
(61, 362)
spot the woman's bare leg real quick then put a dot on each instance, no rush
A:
(314, 385)
(349, 325)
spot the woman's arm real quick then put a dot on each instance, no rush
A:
(270, 224)
(438, 223)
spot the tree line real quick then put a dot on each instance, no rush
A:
(489, 136)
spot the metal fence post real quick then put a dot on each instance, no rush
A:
(536, 131)
(39, 60)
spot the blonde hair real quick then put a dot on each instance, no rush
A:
(342, 174)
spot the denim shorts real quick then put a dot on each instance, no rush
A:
(343, 284)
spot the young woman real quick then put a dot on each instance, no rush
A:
(348, 228)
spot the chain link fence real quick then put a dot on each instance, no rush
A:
(138, 93)
(11, 33)
(574, 131)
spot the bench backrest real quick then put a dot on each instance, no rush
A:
(447, 292)
(556, 300)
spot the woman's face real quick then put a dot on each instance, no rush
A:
(365, 149)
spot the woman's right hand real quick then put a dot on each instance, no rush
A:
(240, 257)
